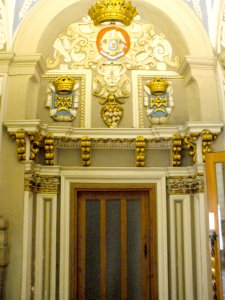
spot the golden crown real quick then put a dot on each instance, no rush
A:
(112, 10)
(64, 84)
(158, 86)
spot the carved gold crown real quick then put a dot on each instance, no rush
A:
(112, 10)
(64, 84)
(158, 86)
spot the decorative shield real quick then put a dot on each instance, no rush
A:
(158, 100)
(113, 42)
(63, 107)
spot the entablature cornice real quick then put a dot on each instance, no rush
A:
(27, 64)
(33, 126)
(32, 135)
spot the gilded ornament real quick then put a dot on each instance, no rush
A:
(181, 185)
(176, 149)
(64, 84)
(158, 86)
(21, 144)
(49, 149)
(112, 11)
(140, 151)
(86, 151)
(190, 142)
(35, 143)
(207, 139)
(111, 113)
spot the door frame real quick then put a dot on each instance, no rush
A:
(152, 240)
(72, 176)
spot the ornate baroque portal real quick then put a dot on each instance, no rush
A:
(114, 102)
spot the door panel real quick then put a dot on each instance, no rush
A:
(113, 251)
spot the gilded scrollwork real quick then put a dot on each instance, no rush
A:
(190, 142)
(76, 47)
(35, 143)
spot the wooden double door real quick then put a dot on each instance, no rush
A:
(114, 245)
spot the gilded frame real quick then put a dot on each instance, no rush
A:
(211, 159)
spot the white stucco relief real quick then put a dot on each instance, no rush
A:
(75, 47)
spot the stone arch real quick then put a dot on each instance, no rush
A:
(48, 18)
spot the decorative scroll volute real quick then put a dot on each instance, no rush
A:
(190, 142)
(35, 143)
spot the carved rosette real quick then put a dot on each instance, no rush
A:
(41, 183)
(180, 185)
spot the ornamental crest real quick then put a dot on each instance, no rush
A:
(63, 99)
(113, 42)
(158, 100)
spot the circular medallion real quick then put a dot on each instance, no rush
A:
(113, 42)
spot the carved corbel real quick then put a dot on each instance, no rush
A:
(190, 142)
(20, 138)
(176, 148)
(86, 151)
(49, 149)
(140, 151)
(207, 139)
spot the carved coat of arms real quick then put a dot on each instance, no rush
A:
(113, 42)
(63, 99)
(158, 100)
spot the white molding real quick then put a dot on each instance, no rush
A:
(128, 175)
(181, 277)
(27, 246)
(45, 229)
(203, 272)
(72, 132)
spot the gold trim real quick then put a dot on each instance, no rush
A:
(49, 149)
(140, 151)
(112, 10)
(207, 139)
(190, 142)
(41, 183)
(86, 151)
(176, 149)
